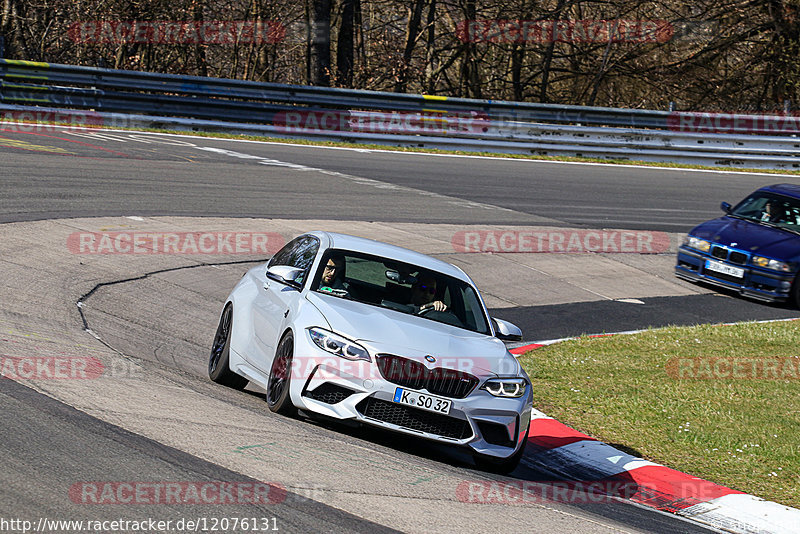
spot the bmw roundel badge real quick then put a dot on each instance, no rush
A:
(430, 358)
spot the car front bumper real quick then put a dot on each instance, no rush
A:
(487, 425)
(761, 284)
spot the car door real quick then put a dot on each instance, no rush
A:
(272, 308)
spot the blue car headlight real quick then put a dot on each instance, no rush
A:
(768, 263)
(696, 243)
(338, 345)
(506, 387)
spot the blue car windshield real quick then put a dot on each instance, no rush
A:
(770, 208)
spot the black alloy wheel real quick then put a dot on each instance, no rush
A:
(218, 363)
(280, 376)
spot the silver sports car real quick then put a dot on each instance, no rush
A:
(355, 329)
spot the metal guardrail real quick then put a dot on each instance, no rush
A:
(141, 99)
(105, 85)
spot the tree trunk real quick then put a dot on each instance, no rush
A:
(412, 33)
(361, 49)
(345, 45)
(470, 77)
(430, 56)
(548, 57)
(199, 49)
(5, 25)
(517, 56)
(319, 60)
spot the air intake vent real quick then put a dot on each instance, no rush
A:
(329, 393)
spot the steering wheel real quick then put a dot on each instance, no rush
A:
(425, 308)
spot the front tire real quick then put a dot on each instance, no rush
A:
(219, 369)
(280, 377)
(502, 466)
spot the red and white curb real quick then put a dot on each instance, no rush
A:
(570, 455)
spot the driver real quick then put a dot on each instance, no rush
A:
(333, 274)
(769, 212)
(422, 293)
(772, 213)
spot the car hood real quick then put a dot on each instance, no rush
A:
(749, 236)
(392, 332)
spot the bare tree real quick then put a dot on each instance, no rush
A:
(319, 58)
(413, 31)
(345, 44)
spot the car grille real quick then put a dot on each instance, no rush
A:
(414, 375)
(414, 419)
(738, 257)
(719, 252)
(733, 256)
(329, 393)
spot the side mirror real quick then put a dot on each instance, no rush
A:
(285, 274)
(725, 207)
(506, 331)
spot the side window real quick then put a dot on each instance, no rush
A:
(299, 253)
(282, 256)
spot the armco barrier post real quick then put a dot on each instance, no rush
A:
(2, 46)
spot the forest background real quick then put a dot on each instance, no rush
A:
(706, 55)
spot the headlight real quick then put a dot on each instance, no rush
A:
(696, 243)
(506, 387)
(335, 344)
(771, 264)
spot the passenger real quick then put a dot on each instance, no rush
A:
(423, 292)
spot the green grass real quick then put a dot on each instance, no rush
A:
(741, 433)
(456, 152)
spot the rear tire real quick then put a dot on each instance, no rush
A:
(796, 291)
(280, 377)
(219, 369)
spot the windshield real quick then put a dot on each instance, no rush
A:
(402, 287)
(771, 209)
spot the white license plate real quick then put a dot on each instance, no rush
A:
(422, 401)
(724, 269)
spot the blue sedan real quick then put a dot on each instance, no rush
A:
(754, 248)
